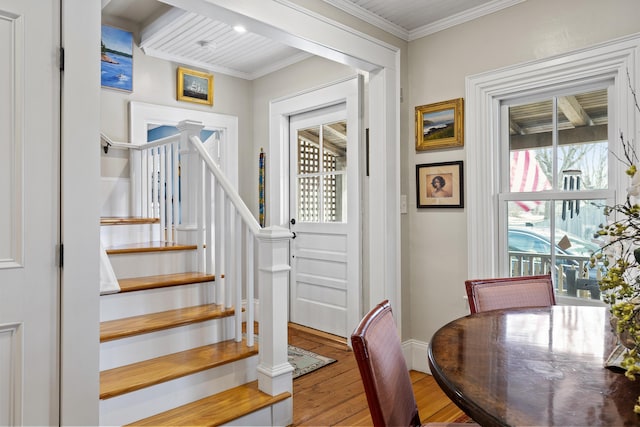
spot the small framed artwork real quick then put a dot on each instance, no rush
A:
(116, 59)
(440, 185)
(195, 86)
(440, 125)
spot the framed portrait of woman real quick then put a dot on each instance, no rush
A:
(440, 185)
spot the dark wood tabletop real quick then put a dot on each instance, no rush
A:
(534, 367)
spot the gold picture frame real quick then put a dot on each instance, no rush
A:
(195, 86)
(440, 185)
(440, 125)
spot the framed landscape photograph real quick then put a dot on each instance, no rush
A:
(440, 185)
(195, 86)
(116, 59)
(440, 125)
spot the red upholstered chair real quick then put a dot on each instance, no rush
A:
(384, 372)
(510, 292)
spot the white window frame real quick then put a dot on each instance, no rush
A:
(611, 61)
(556, 193)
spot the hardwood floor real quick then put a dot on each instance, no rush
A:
(334, 395)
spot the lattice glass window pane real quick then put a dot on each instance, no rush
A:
(335, 198)
(308, 150)
(321, 170)
(308, 199)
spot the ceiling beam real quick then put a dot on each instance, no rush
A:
(582, 134)
(573, 111)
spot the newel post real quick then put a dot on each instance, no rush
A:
(274, 370)
(186, 231)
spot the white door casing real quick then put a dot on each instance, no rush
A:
(29, 216)
(347, 92)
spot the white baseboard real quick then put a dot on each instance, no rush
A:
(416, 354)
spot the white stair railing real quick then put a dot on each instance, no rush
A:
(198, 205)
(241, 229)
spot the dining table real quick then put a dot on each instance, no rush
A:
(537, 366)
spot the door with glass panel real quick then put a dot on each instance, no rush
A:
(320, 154)
(558, 181)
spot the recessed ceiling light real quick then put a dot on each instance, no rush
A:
(240, 29)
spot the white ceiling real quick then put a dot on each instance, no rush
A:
(189, 39)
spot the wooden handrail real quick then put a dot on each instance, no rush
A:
(129, 146)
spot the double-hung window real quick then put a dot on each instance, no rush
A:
(555, 181)
(544, 156)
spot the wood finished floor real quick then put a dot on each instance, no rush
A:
(334, 395)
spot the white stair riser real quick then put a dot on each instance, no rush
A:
(143, 403)
(137, 348)
(128, 304)
(260, 417)
(113, 235)
(152, 263)
(275, 415)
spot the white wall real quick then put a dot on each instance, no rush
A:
(438, 65)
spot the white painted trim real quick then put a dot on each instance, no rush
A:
(484, 92)
(12, 352)
(295, 26)
(373, 19)
(416, 353)
(15, 129)
(80, 207)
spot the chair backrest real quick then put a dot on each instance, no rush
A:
(384, 372)
(510, 292)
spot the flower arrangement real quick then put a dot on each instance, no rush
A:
(620, 258)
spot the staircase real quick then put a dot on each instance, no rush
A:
(172, 350)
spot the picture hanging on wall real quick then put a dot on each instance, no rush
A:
(440, 185)
(116, 59)
(195, 86)
(440, 125)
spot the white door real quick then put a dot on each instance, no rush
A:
(29, 212)
(324, 217)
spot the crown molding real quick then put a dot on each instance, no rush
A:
(462, 17)
(409, 35)
(371, 18)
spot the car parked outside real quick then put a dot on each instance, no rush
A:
(572, 252)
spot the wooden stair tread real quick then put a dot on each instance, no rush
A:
(216, 410)
(136, 325)
(163, 280)
(125, 379)
(123, 220)
(148, 247)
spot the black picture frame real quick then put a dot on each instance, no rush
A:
(440, 185)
